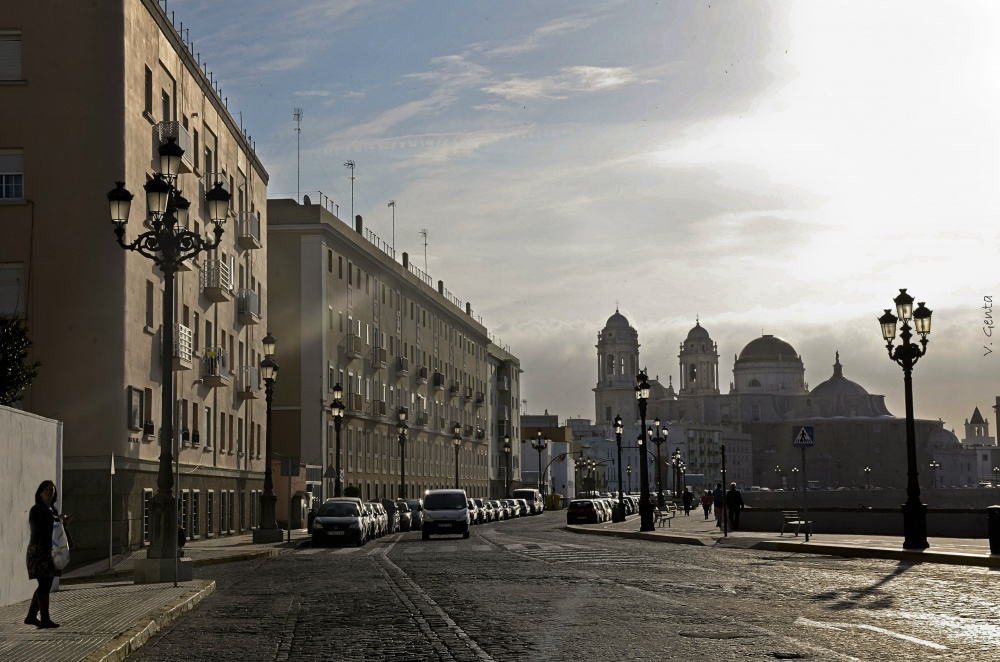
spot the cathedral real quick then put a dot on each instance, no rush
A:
(858, 442)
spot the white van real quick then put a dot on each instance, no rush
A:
(533, 497)
(445, 511)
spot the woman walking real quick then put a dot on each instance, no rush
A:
(41, 518)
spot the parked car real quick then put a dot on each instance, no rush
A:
(482, 514)
(473, 512)
(403, 511)
(416, 514)
(389, 506)
(582, 511)
(381, 519)
(502, 510)
(525, 507)
(340, 520)
(489, 512)
(533, 497)
(445, 511)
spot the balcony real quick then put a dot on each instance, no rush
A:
(422, 375)
(378, 408)
(248, 232)
(442, 424)
(182, 137)
(438, 381)
(216, 281)
(453, 389)
(421, 419)
(354, 346)
(183, 347)
(402, 365)
(248, 307)
(503, 383)
(468, 431)
(468, 394)
(215, 367)
(249, 384)
(503, 413)
(379, 357)
(480, 399)
(354, 402)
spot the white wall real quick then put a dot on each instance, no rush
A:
(32, 453)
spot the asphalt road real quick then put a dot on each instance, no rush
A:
(529, 590)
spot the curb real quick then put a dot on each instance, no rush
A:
(953, 558)
(131, 640)
(197, 563)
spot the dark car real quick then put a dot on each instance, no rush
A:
(339, 521)
(582, 511)
(416, 514)
(404, 515)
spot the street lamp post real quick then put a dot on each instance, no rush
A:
(268, 530)
(675, 468)
(795, 479)
(996, 472)
(337, 409)
(645, 505)
(456, 429)
(620, 514)
(659, 441)
(777, 478)
(507, 464)
(906, 354)
(868, 478)
(935, 465)
(539, 443)
(628, 470)
(168, 244)
(401, 432)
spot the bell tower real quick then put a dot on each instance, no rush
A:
(617, 366)
(699, 363)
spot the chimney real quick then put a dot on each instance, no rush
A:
(358, 224)
(441, 287)
(406, 260)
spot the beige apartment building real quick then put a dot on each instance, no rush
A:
(86, 100)
(345, 311)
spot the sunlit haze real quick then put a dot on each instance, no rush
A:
(764, 167)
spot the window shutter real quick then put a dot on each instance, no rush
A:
(10, 55)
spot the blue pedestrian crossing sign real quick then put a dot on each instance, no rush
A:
(803, 437)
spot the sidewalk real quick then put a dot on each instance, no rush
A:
(104, 616)
(696, 530)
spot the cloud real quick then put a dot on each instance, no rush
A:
(578, 79)
(311, 93)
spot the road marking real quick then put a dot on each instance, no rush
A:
(862, 626)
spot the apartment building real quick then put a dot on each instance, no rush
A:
(85, 101)
(345, 312)
(504, 414)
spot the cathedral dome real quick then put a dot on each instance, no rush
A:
(698, 332)
(838, 385)
(768, 348)
(941, 439)
(617, 321)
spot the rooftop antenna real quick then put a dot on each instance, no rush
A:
(423, 233)
(392, 203)
(349, 164)
(298, 139)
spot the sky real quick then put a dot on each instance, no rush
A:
(762, 167)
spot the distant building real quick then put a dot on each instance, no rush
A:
(983, 454)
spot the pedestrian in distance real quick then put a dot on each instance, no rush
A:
(719, 503)
(181, 536)
(706, 503)
(42, 519)
(687, 497)
(734, 504)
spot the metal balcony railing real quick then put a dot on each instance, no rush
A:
(248, 307)
(249, 382)
(215, 367)
(248, 234)
(216, 280)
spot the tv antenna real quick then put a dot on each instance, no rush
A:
(298, 138)
(423, 233)
(392, 203)
(349, 164)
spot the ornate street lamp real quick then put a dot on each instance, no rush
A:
(659, 441)
(507, 464)
(456, 430)
(620, 514)
(777, 478)
(628, 470)
(539, 443)
(401, 432)
(906, 354)
(868, 478)
(935, 465)
(675, 469)
(996, 472)
(645, 505)
(337, 410)
(795, 478)
(268, 530)
(168, 244)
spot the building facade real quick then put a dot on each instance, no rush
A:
(94, 311)
(345, 311)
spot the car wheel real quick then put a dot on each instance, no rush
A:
(426, 535)
(465, 535)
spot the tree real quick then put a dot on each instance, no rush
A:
(15, 374)
(352, 491)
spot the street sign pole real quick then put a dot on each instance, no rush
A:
(804, 438)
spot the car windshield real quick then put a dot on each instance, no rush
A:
(444, 501)
(338, 510)
(529, 496)
(581, 504)
(402, 507)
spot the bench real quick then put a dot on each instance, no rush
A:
(794, 518)
(665, 514)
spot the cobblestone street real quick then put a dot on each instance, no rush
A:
(528, 590)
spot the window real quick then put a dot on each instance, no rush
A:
(329, 260)
(211, 147)
(165, 106)
(147, 108)
(150, 305)
(209, 512)
(195, 499)
(10, 55)
(754, 383)
(12, 289)
(11, 174)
